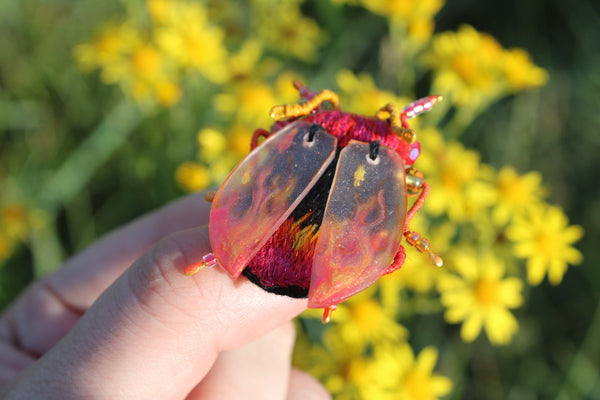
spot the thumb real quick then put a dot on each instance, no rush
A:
(154, 333)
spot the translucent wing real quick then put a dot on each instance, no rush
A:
(362, 225)
(262, 191)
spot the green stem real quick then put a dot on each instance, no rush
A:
(72, 176)
(96, 149)
(460, 121)
(583, 374)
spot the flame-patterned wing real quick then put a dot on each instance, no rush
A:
(262, 191)
(362, 226)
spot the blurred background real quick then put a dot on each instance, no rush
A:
(112, 109)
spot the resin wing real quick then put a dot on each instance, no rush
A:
(362, 226)
(262, 191)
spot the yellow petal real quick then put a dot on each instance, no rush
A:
(510, 292)
(471, 327)
(536, 269)
(572, 233)
(556, 271)
(427, 359)
(441, 385)
(500, 326)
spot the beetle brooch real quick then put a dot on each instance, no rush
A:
(319, 208)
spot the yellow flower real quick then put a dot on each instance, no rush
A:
(361, 320)
(249, 101)
(147, 75)
(342, 369)
(454, 175)
(167, 93)
(420, 29)
(243, 63)
(146, 61)
(520, 72)
(281, 26)
(137, 65)
(515, 193)
(478, 296)
(359, 94)
(212, 143)
(218, 154)
(239, 140)
(399, 375)
(465, 65)
(192, 176)
(191, 41)
(545, 239)
(474, 69)
(107, 48)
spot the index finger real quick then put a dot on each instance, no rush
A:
(156, 332)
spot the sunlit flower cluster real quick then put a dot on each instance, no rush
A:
(358, 359)
(149, 61)
(473, 69)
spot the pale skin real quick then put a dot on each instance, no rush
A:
(121, 321)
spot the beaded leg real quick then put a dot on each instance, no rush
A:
(414, 238)
(208, 261)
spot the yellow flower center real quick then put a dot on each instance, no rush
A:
(167, 93)
(146, 61)
(549, 245)
(469, 71)
(515, 191)
(451, 180)
(487, 292)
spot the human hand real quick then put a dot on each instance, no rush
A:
(121, 321)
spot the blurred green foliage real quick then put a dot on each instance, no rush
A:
(86, 159)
